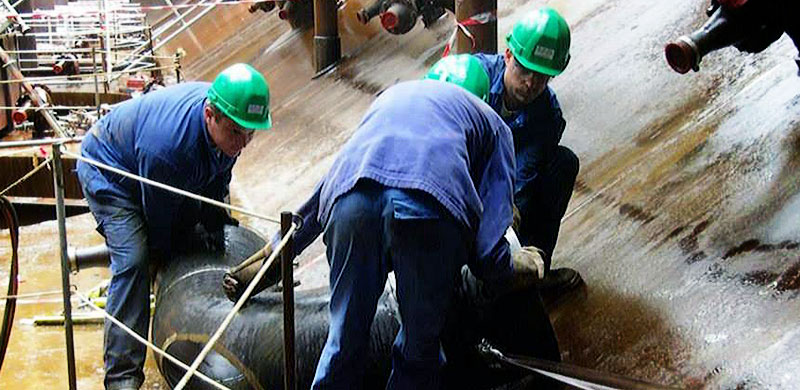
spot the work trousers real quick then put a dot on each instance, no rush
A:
(373, 230)
(128, 292)
(543, 202)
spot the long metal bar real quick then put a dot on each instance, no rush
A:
(17, 74)
(287, 275)
(175, 11)
(39, 142)
(96, 85)
(107, 25)
(579, 377)
(184, 27)
(58, 184)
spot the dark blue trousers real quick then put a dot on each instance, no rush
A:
(543, 202)
(373, 230)
(128, 292)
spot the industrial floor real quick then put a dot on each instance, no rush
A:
(685, 222)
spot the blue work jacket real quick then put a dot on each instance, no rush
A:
(438, 138)
(161, 136)
(537, 128)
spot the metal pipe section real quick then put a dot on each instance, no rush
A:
(91, 257)
(190, 303)
(485, 35)
(719, 31)
(327, 45)
(17, 74)
(287, 271)
(58, 184)
(364, 15)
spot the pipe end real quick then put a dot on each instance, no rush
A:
(58, 69)
(389, 20)
(283, 14)
(19, 116)
(681, 57)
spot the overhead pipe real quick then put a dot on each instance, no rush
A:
(484, 35)
(17, 74)
(400, 16)
(749, 25)
(327, 45)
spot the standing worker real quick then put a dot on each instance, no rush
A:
(538, 50)
(187, 136)
(423, 187)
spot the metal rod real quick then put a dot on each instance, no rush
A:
(96, 85)
(190, 23)
(58, 184)
(107, 26)
(39, 142)
(287, 271)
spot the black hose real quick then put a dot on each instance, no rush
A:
(10, 217)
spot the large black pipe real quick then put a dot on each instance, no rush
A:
(749, 25)
(190, 305)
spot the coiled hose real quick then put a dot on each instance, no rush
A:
(11, 221)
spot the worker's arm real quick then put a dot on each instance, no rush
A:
(234, 283)
(214, 218)
(160, 206)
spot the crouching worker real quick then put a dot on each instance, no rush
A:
(424, 186)
(187, 136)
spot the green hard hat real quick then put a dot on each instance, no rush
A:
(463, 70)
(540, 41)
(242, 94)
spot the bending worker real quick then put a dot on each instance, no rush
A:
(423, 187)
(187, 136)
(538, 50)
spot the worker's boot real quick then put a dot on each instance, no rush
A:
(558, 282)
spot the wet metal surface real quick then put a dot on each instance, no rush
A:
(685, 223)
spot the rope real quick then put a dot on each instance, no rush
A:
(18, 152)
(474, 20)
(35, 294)
(27, 175)
(144, 341)
(229, 318)
(170, 188)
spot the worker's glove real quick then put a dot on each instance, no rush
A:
(215, 218)
(516, 219)
(234, 283)
(528, 267)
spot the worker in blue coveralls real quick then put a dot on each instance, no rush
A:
(538, 50)
(187, 136)
(424, 186)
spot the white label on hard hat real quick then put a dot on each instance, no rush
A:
(255, 109)
(544, 52)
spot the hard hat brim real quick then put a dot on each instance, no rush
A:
(536, 67)
(265, 124)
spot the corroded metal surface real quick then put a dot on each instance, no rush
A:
(684, 224)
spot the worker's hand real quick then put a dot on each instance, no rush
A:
(215, 218)
(528, 267)
(234, 283)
